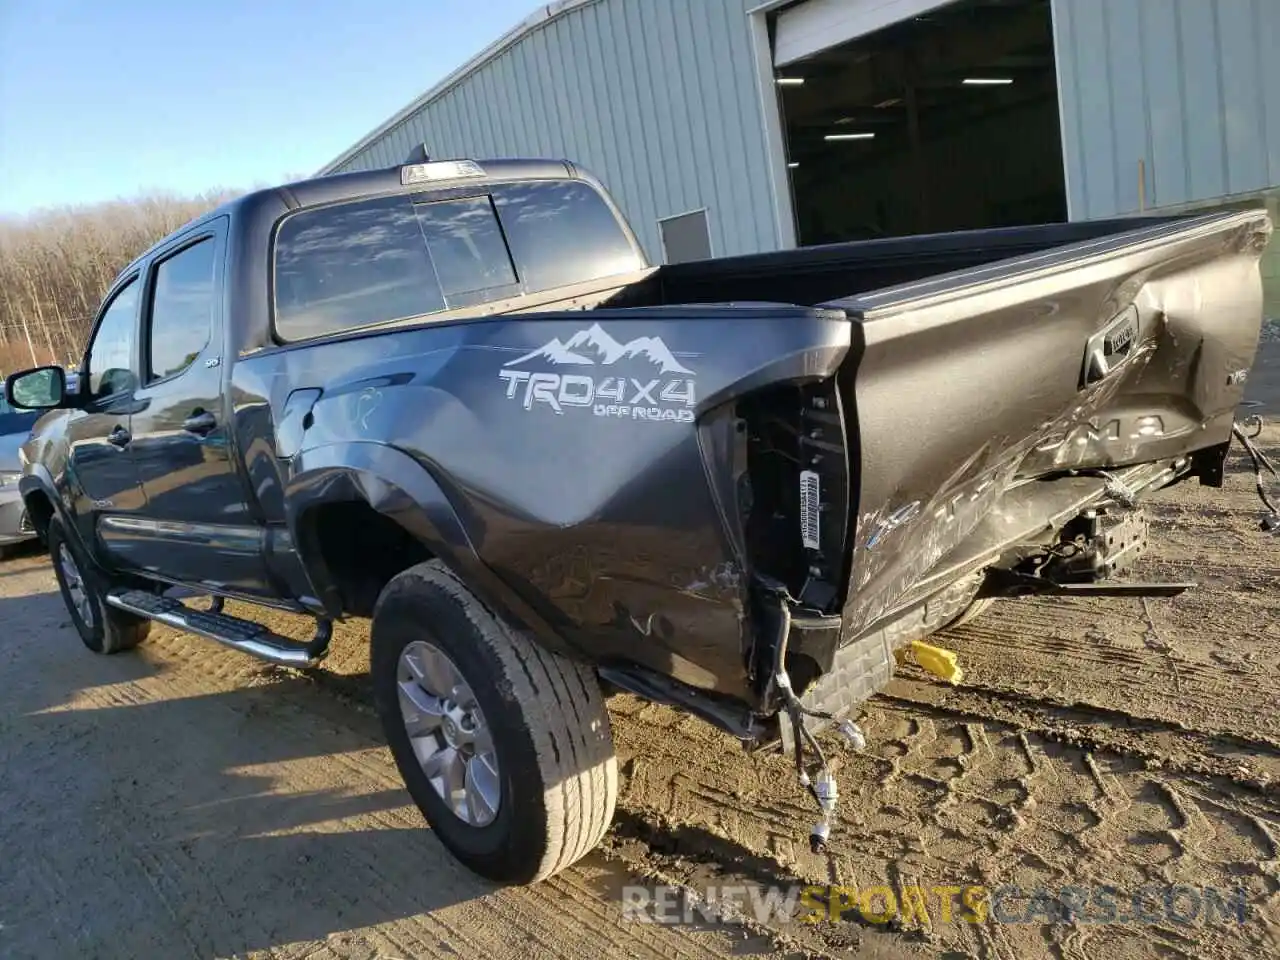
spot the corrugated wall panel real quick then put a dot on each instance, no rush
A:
(656, 97)
(1202, 89)
(1168, 160)
(402, 141)
(1129, 119)
(1244, 99)
(1185, 86)
(1267, 38)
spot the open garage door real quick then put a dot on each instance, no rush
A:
(820, 24)
(947, 120)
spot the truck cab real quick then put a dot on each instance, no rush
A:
(160, 452)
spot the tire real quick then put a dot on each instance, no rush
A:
(103, 628)
(541, 716)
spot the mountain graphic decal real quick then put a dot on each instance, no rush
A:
(594, 346)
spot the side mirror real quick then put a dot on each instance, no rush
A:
(44, 388)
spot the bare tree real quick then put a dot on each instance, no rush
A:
(56, 264)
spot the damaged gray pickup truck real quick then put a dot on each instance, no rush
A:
(454, 398)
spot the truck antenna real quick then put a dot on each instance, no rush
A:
(418, 154)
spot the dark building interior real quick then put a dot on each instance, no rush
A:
(947, 121)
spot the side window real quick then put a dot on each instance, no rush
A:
(111, 355)
(350, 265)
(467, 248)
(562, 232)
(181, 315)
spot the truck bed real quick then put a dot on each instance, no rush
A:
(968, 374)
(625, 465)
(814, 275)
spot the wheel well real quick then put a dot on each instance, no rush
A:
(361, 549)
(40, 510)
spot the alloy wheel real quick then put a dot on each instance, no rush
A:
(76, 588)
(449, 733)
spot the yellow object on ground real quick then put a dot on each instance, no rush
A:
(941, 663)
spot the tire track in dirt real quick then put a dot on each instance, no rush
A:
(1225, 700)
(1070, 816)
(789, 815)
(1186, 749)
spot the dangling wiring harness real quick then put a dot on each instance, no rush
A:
(817, 780)
(1271, 519)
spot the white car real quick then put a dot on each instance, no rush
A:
(15, 428)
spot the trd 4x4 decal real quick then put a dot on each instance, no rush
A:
(630, 391)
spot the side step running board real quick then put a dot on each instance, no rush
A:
(243, 635)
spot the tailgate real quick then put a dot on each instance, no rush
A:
(1130, 349)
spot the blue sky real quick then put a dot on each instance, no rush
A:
(100, 100)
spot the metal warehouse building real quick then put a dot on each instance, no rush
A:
(736, 126)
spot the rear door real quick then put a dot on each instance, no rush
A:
(197, 526)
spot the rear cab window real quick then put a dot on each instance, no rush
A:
(357, 263)
(562, 232)
(466, 247)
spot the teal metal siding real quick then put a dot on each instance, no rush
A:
(658, 98)
(1186, 86)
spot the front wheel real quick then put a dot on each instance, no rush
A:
(103, 628)
(505, 747)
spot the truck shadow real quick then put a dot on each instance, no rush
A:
(22, 558)
(224, 812)
(212, 822)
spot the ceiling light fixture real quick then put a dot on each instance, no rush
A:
(987, 81)
(790, 81)
(792, 165)
(849, 136)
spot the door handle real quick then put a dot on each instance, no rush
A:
(119, 437)
(200, 423)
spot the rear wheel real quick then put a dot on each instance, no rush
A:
(103, 628)
(505, 747)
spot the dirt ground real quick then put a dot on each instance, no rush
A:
(185, 800)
